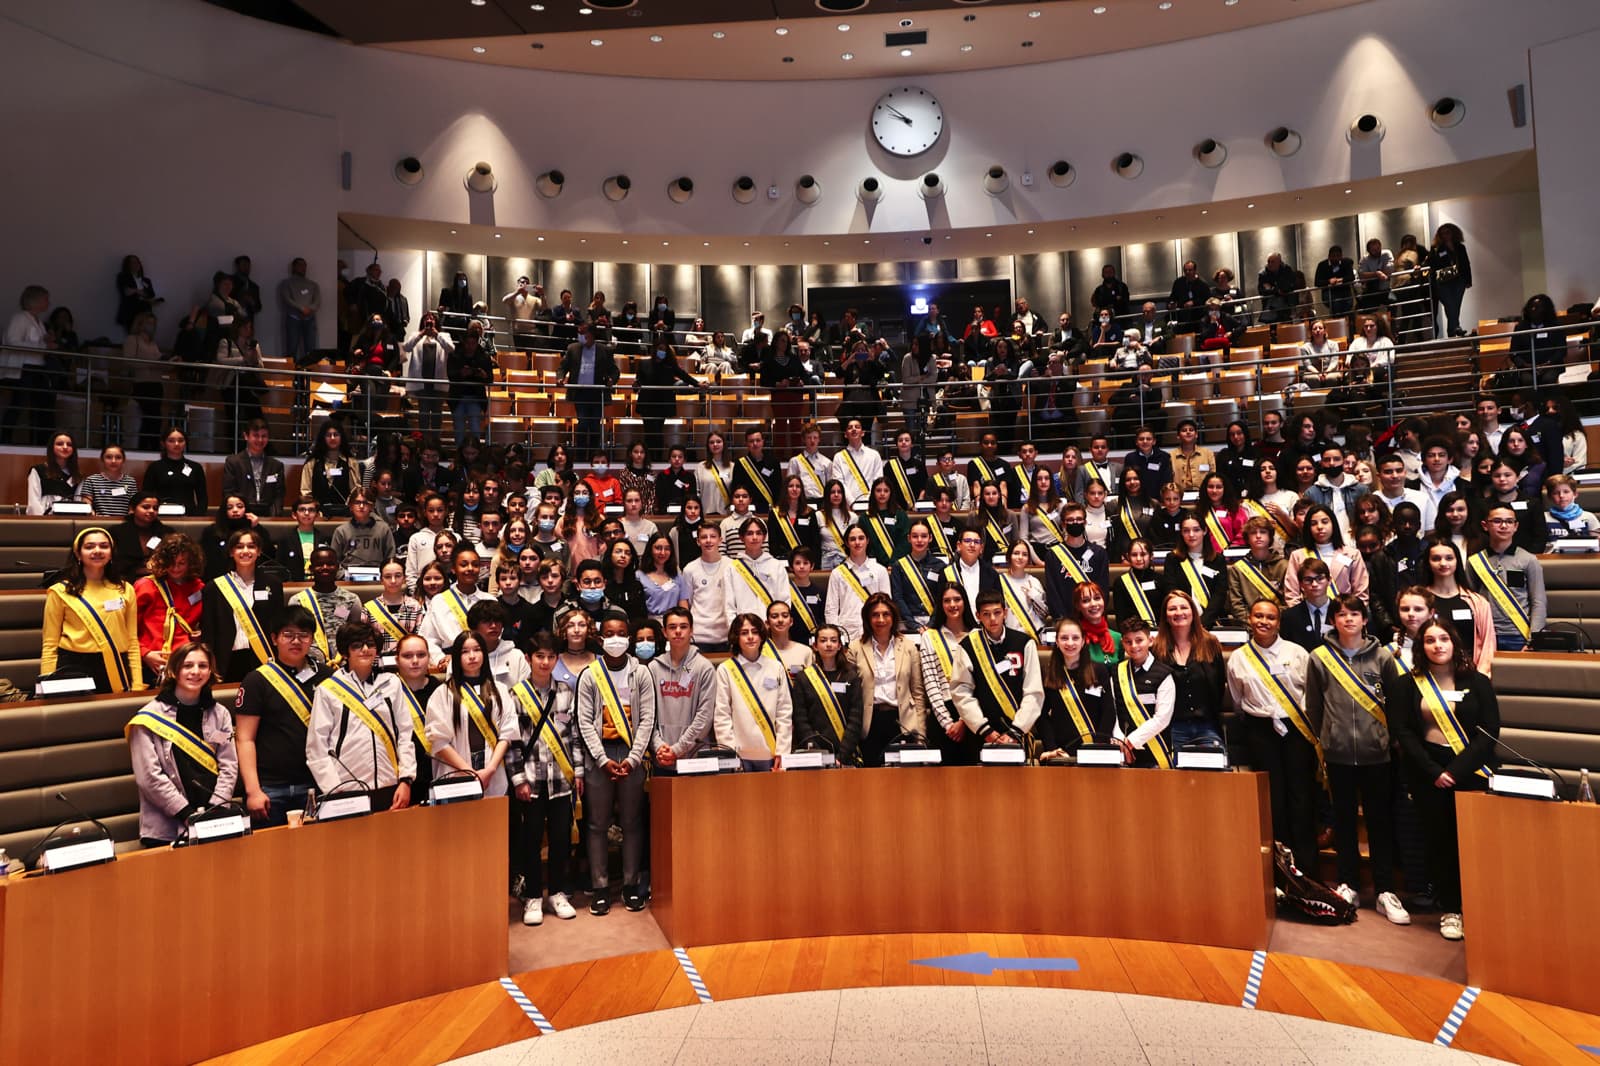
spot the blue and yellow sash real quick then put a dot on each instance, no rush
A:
(1197, 583)
(907, 497)
(812, 675)
(1018, 609)
(419, 723)
(850, 579)
(1444, 716)
(918, 584)
(805, 464)
(855, 472)
(307, 598)
(244, 616)
(479, 714)
(984, 660)
(753, 702)
(544, 727)
(1073, 702)
(291, 690)
(1501, 594)
(1129, 693)
(802, 610)
(118, 672)
(379, 613)
(1357, 689)
(1140, 601)
(179, 736)
(352, 702)
(610, 701)
(1257, 579)
(1286, 702)
(760, 482)
(741, 567)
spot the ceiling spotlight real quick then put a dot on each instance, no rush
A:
(1100, 10)
(1211, 153)
(905, 53)
(478, 49)
(807, 190)
(1283, 141)
(585, 10)
(481, 178)
(931, 187)
(597, 42)
(870, 191)
(966, 48)
(656, 38)
(1127, 165)
(408, 171)
(782, 31)
(744, 189)
(844, 27)
(549, 184)
(1035, 13)
(497, 236)
(1366, 128)
(1446, 112)
(847, 56)
(535, 7)
(540, 239)
(1251, 207)
(452, 233)
(479, 3)
(717, 35)
(905, 24)
(1062, 174)
(996, 180)
(680, 190)
(1165, 5)
(616, 187)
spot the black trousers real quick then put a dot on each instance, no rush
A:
(963, 752)
(532, 822)
(1437, 806)
(1290, 762)
(240, 663)
(89, 663)
(885, 727)
(1368, 790)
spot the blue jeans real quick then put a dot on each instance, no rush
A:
(1509, 642)
(469, 420)
(299, 336)
(1192, 731)
(283, 799)
(758, 766)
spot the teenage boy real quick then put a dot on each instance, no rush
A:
(1145, 696)
(686, 693)
(856, 466)
(331, 606)
(760, 476)
(362, 540)
(1001, 696)
(813, 468)
(706, 585)
(1511, 578)
(753, 579)
(270, 717)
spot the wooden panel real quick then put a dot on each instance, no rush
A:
(1527, 869)
(758, 856)
(308, 925)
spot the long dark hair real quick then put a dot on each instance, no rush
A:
(72, 575)
(1460, 660)
(72, 460)
(1305, 528)
(647, 562)
(486, 685)
(1055, 668)
(320, 449)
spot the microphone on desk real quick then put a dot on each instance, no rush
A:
(351, 778)
(1551, 774)
(30, 861)
(84, 815)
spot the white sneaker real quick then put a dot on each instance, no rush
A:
(1390, 907)
(533, 912)
(1450, 927)
(562, 906)
(1348, 894)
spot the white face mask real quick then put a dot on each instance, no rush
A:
(616, 647)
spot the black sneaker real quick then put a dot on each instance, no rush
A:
(599, 906)
(632, 900)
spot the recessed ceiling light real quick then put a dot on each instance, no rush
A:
(1030, 233)
(535, 7)
(1204, 211)
(1035, 13)
(585, 10)
(497, 236)
(905, 24)
(1101, 10)
(866, 240)
(718, 34)
(844, 27)
(966, 48)
(1229, 3)
(479, 3)
(905, 53)
(1160, 218)
(747, 244)
(624, 241)
(988, 235)
(478, 49)
(1347, 192)
(541, 238)
(826, 243)
(782, 31)
(1400, 182)
(656, 38)
(1114, 222)
(665, 243)
(705, 244)
(597, 42)
(452, 233)
(1027, 44)
(847, 56)
(947, 236)
(786, 244)
(583, 240)
(1249, 206)
(1165, 5)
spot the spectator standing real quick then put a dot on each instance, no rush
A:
(1451, 270)
(25, 373)
(136, 294)
(299, 298)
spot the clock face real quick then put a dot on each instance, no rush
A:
(907, 121)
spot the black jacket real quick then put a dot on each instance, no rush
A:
(238, 478)
(1409, 721)
(217, 626)
(605, 365)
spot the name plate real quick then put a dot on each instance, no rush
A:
(1235, 553)
(1202, 760)
(1233, 638)
(64, 686)
(1514, 783)
(924, 505)
(336, 807)
(171, 510)
(1099, 755)
(362, 573)
(1002, 755)
(700, 764)
(1575, 545)
(808, 760)
(222, 827)
(63, 857)
(74, 508)
(912, 757)
(455, 791)
(388, 662)
(1591, 478)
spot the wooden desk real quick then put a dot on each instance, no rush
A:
(1151, 854)
(179, 955)
(1528, 876)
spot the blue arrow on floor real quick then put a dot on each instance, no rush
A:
(981, 962)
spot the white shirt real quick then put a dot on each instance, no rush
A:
(971, 578)
(1432, 494)
(739, 598)
(850, 461)
(507, 665)
(706, 585)
(1412, 496)
(440, 626)
(362, 755)
(1285, 661)
(23, 331)
(844, 603)
(883, 690)
(815, 479)
(1156, 724)
(444, 732)
(247, 593)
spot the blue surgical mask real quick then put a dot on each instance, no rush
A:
(645, 650)
(797, 316)
(580, 501)
(661, 353)
(591, 596)
(547, 525)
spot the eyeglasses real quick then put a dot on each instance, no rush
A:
(294, 636)
(1502, 521)
(1315, 579)
(363, 645)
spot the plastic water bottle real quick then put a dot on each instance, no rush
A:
(1585, 792)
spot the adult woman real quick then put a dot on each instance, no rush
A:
(1516, 449)
(580, 526)
(329, 475)
(754, 713)
(140, 533)
(1445, 721)
(1453, 603)
(470, 368)
(237, 374)
(780, 622)
(1321, 537)
(785, 378)
(656, 380)
(1321, 362)
(1220, 512)
(658, 576)
(169, 603)
(148, 368)
(136, 294)
(1104, 643)
(55, 480)
(893, 695)
(471, 720)
(795, 523)
(238, 606)
(1041, 514)
(1375, 343)
(622, 580)
(852, 582)
(717, 358)
(862, 375)
(1451, 270)
(109, 492)
(714, 476)
(834, 518)
(1195, 658)
(1136, 591)
(392, 613)
(91, 620)
(232, 516)
(828, 698)
(1195, 567)
(885, 523)
(1078, 706)
(1455, 523)
(1025, 602)
(181, 748)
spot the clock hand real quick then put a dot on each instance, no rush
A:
(897, 113)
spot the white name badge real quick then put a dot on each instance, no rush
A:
(337, 471)
(120, 490)
(337, 807)
(223, 827)
(69, 508)
(1004, 666)
(1148, 586)
(859, 505)
(1452, 695)
(64, 686)
(455, 791)
(1462, 614)
(272, 479)
(1191, 495)
(808, 760)
(188, 471)
(1048, 637)
(913, 757)
(998, 560)
(614, 508)
(701, 764)
(1202, 760)
(1235, 553)
(1002, 755)
(1519, 505)
(197, 595)
(171, 510)
(1149, 698)
(1099, 755)
(839, 686)
(1094, 690)
(360, 573)
(388, 662)
(262, 594)
(112, 604)
(802, 521)
(153, 543)
(1247, 462)
(70, 856)
(1208, 571)
(1204, 468)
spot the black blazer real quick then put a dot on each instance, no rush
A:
(128, 545)
(1296, 627)
(238, 479)
(216, 617)
(1173, 577)
(605, 365)
(286, 550)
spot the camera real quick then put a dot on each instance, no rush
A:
(927, 240)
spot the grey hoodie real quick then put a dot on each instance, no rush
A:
(1351, 735)
(686, 700)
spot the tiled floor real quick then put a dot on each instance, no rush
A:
(984, 1026)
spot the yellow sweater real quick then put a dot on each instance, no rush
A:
(65, 628)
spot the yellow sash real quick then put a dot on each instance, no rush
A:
(1259, 510)
(610, 701)
(941, 542)
(339, 690)
(180, 737)
(1140, 600)
(997, 533)
(812, 675)
(479, 714)
(308, 599)
(1017, 607)
(1219, 536)
(118, 672)
(760, 482)
(978, 642)
(985, 475)
(1130, 524)
(1025, 478)
(1092, 472)
(753, 703)
(244, 616)
(854, 582)
(918, 583)
(419, 724)
(815, 478)
(755, 583)
(1280, 695)
(544, 728)
(174, 621)
(291, 690)
(1255, 578)
(791, 536)
(1138, 715)
(1050, 525)
(458, 607)
(1069, 564)
(1444, 716)
(1073, 702)
(834, 531)
(802, 611)
(722, 485)
(941, 650)
(1197, 583)
(386, 621)
(876, 526)
(1501, 594)
(855, 472)
(906, 495)
(1352, 684)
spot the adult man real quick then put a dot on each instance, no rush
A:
(1336, 278)
(754, 580)
(245, 290)
(299, 298)
(254, 474)
(945, 476)
(23, 372)
(1132, 354)
(270, 717)
(523, 305)
(1275, 285)
(367, 297)
(1001, 696)
(1032, 324)
(1072, 562)
(1374, 270)
(588, 371)
(1511, 578)
(1488, 411)
(987, 466)
(761, 476)
(1191, 463)
(1187, 301)
(757, 329)
(1151, 330)
(1069, 340)
(328, 604)
(1337, 490)
(812, 467)
(566, 315)
(396, 309)
(1267, 680)
(446, 618)
(686, 693)
(1111, 294)
(705, 582)
(856, 466)
(1145, 699)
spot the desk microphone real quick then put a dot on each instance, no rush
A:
(84, 815)
(350, 775)
(30, 861)
(1551, 774)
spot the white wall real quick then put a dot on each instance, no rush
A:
(1566, 83)
(1507, 257)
